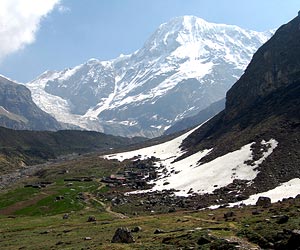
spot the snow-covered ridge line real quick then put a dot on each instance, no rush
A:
(9, 79)
(187, 58)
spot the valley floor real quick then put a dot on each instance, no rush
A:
(65, 206)
(248, 228)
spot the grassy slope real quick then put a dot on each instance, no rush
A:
(32, 219)
(32, 147)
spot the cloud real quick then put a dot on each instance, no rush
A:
(19, 22)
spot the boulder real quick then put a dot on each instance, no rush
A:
(159, 231)
(91, 219)
(283, 219)
(122, 235)
(172, 210)
(59, 198)
(263, 202)
(256, 212)
(294, 241)
(136, 229)
(229, 214)
(203, 240)
(66, 216)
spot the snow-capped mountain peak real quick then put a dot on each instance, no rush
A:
(186, 59)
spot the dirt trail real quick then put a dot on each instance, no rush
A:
(10, 210)
(118, 215)
(108, 209)
(106, 206)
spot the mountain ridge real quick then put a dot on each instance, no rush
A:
(260, 107)
(250, 147)
(187, 59)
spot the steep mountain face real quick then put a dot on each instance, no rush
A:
(262, 105)
(197, 119)
(250, 148)
(18, 111)
(271, 82)
(186, 65)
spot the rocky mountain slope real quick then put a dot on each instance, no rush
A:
(186, 65)
(202, 116)
(20, 148)
(18, 111)
(262, 105)
(252, 147)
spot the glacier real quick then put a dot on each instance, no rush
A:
(185, 65)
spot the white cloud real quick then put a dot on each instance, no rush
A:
(19, 22)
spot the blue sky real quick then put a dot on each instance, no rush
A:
(72, 31)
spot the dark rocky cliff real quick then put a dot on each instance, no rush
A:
(18, 111)
(263, 104)
(275, 65)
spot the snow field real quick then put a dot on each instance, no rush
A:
(289, 189)
(189, 174)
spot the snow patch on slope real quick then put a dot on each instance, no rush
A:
(105, 104)
(47, 102)
(283, 191)
(167, 151)
(205, 178)
(12, 116)
(189, 174)
(56, 106)
(3, 110)
(69, 72)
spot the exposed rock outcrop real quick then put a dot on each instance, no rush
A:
(263, 104)
(18, 111)
(123, 235)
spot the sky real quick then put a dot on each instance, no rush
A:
(40, 35)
